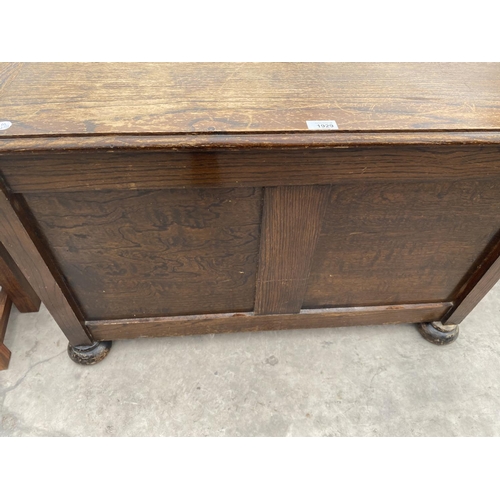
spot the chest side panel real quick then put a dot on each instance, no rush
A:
(389, 243)
(151, 234)
(154, 253)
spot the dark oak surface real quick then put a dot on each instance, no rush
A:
(171, 98)
(169, 199)
(91, 171)
(290, 227)
(219, 141)
(386, 243)
(152, 253)
(21, 242)
(249, 322)
(486, 274)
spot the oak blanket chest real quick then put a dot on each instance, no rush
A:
(144, 200)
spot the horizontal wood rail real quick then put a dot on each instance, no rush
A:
(248, 322)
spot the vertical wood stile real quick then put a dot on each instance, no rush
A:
(5, 306)
(20, 245)
(291, 224)
(484, 279)
(16, 285)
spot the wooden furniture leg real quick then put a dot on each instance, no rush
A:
(16, 290)
(13, 281)
(5, 306)
(151, 208)
(20, 245)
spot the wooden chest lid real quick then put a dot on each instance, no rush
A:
(262, 103)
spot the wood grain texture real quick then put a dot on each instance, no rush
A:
(16, 285)
(21, 246)
(215, 142)
(485, 276)
(290, 227)
(153, 253)
(402, 242)
(93, 171)
(134, 193)
(5, 306)
(124, 98)
(249, 322)
(8, 72)
(5, 355)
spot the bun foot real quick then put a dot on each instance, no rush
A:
(437, 333)
(89, 354)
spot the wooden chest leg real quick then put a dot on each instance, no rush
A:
(4, 357)
(13, 281)
(18, 238)
(5, 306)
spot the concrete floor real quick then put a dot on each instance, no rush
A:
(359, 381)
